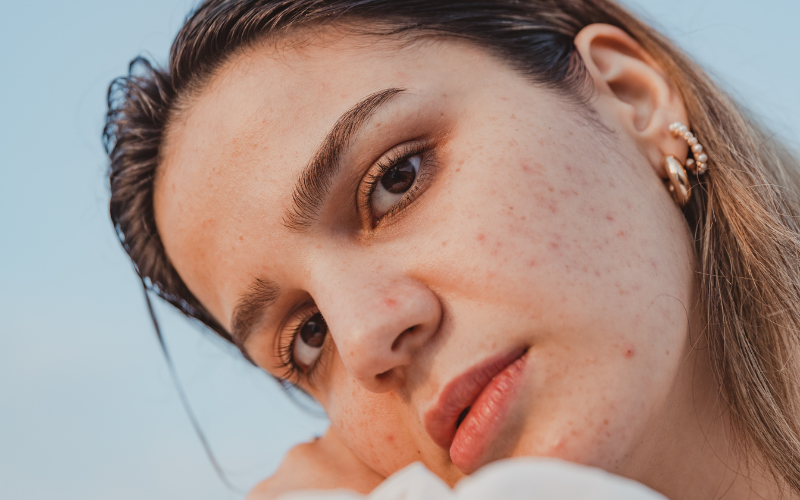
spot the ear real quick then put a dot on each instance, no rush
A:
(633, 92)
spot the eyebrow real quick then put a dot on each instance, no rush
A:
(250, 308)
(307, 197)
(315, 180)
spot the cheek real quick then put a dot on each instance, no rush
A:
(584, 256)
(378, 428)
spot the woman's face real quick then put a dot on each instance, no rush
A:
(500, 273)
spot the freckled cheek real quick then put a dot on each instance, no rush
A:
(370, 424)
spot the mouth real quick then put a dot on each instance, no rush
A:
(471, 408)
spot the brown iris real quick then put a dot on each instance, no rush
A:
(314, 331)
(400, 177)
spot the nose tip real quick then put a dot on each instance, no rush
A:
(377, 343)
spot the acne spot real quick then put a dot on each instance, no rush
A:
(628, 352)
(444, 243)
(621, 233)
(389, 302)
(610, 218)
(481, 237)
(554, 245)
(390, 438)
(532, 263)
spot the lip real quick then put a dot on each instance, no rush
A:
(487, 389)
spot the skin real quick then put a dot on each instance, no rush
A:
(545, 226)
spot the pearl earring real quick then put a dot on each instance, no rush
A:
(679, 184)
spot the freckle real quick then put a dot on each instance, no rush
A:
(526, 168)
(605, 422)
(597, 273)
(621, 234)
(532, 263)
(553, 208)
(609, 217)
(444, 243)
(241, 238)
(554, 245)
(522, 218)
(390, 438)
(551, 189)
(458, 170)
(667, 353)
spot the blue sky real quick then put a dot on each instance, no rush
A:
(87, 409)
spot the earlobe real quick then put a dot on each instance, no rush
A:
(633, 91)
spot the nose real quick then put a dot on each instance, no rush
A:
(378, 322)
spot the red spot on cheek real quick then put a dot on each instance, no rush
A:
(609, 217)
(481, 237)
(628, 352)
(390, 302)
(390, 438)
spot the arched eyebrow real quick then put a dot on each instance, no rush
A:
(312, 186)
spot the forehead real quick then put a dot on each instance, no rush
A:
(231, 158)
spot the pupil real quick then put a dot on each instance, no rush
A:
(399, 178)
(314, 331)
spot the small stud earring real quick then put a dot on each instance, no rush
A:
(679, 184)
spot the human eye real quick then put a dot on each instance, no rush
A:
(302, 345)
(395, 181)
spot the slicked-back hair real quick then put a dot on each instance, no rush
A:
(744, 214)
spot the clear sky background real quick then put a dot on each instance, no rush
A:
(87, 408)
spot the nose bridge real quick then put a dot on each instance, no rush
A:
(378, 317)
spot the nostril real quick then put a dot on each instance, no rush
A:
(399, 339)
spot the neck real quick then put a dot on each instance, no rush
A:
(694, 453)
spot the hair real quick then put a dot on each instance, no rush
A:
(744, 213)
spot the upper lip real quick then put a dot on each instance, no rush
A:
(459, 394)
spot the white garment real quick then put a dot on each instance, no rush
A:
(512, 479)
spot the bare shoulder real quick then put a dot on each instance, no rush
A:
(320, 464)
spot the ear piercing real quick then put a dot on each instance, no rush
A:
(679, 184)
(698, 164)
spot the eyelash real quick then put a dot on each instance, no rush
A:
(426, 171)
(292, 372)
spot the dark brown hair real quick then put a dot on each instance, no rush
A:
(745, 215)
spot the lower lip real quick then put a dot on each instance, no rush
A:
(485, 418)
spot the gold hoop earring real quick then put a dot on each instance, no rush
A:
(679, 184)
(678, 180)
